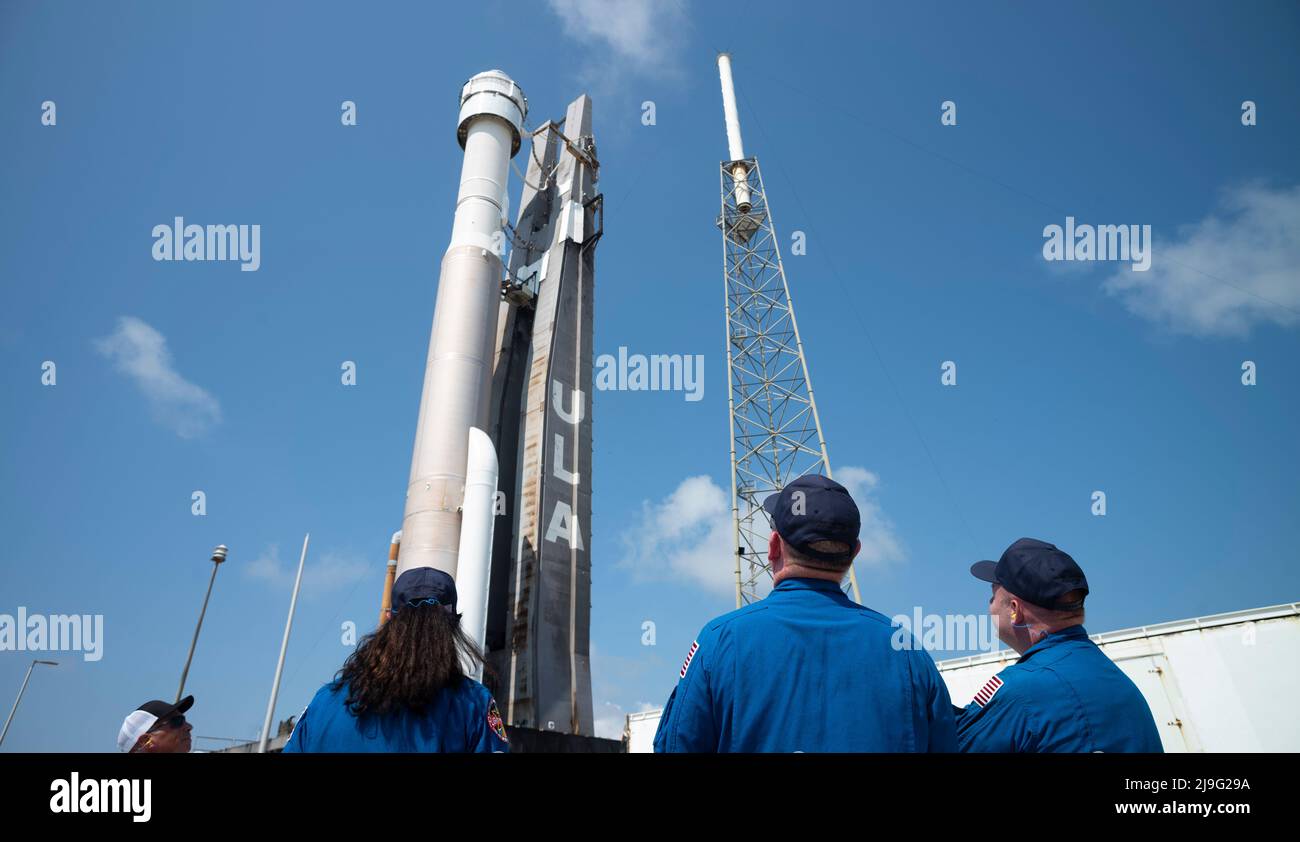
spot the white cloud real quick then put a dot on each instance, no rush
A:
(688, 535)
(1237, 268)
(629, 36)
(612, 677)
(685, 537)
(609, 721)
(140, 352)
(880, 544)
(330, 571)
(267, 566)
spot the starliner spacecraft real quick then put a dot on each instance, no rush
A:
(500, 485)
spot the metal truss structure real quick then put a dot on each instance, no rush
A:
(776, 434)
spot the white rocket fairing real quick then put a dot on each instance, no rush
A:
(458, 374)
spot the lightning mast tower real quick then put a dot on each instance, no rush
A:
(776, 434)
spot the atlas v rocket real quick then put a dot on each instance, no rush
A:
(500, 484)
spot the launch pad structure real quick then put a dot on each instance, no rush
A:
(539, 598)
(776, 433)
(500, 486)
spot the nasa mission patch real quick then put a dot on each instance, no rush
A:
(494, 721)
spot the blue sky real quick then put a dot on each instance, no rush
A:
(924, 245)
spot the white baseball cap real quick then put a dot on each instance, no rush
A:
(139, 721)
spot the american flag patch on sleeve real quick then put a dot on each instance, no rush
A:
(986, 692)
(695, 647)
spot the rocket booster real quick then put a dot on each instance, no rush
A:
(458, 373)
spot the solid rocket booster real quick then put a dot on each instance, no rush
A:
(735, 148)
(475, 556)
(458, 374)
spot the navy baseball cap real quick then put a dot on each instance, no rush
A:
(1035, 571)
(814, 508)
(421, 583)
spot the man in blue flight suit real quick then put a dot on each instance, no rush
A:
(807, 669)
(1064, 694)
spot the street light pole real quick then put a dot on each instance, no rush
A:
(218, 556)
(22, 690)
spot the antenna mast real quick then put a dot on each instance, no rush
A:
(776, 434)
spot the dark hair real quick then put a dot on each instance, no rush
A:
(407, 661)
(843, 556)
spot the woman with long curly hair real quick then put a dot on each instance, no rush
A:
(405, 687)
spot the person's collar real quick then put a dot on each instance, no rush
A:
(804, 583)
(1058, 636)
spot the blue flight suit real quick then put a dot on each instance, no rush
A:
(462, 719)
(806, 669)
(1063, 695)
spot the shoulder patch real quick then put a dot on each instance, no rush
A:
(987, 692)
(695, 647)
(494, 721)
